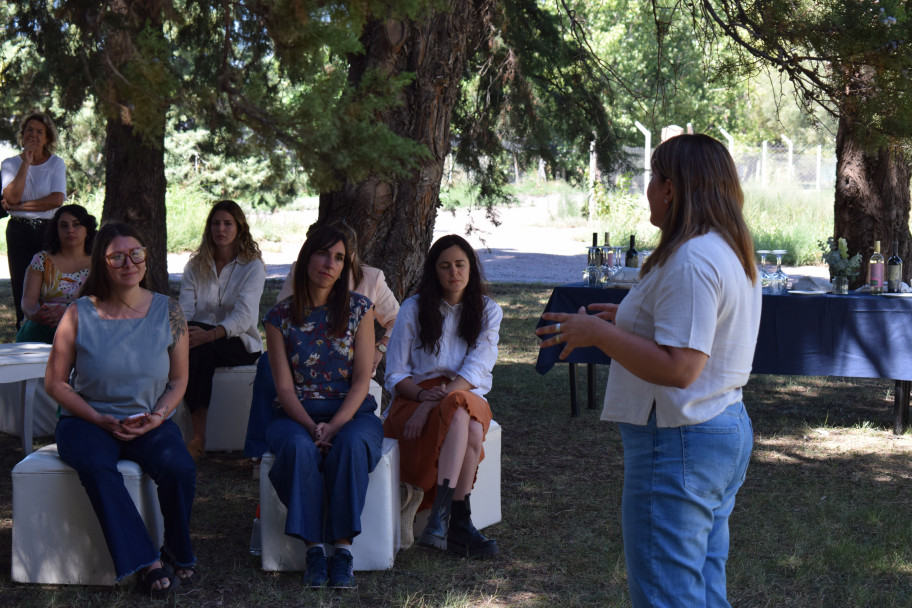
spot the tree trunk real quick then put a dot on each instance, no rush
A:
(135, 193)
(395, 218)
(872, 197)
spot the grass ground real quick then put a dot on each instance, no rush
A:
(821, 521)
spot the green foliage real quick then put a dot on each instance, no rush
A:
(836, 255)
(791, 219)
(622, 213)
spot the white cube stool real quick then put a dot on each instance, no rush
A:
(374, 549)
(229, 408)
(486, 493)
(56, 536)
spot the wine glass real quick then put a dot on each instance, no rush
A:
(764, 274)
(779, 279)
(607, 269)
(618, 257)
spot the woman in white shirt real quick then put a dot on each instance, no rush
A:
(33, 187)
(438, 369)
(682, 344)
(220, 297)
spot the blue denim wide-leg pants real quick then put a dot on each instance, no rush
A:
(301, 475)
(679, 490)
(93, 453)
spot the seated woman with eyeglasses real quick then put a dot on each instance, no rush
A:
(127, 349)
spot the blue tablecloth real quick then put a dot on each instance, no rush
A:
(856, 335)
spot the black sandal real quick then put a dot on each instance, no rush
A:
(190, 581)
(148, 581)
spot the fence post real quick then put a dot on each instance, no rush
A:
(791, 157)
(763, 166)
(819, 164)
(647, 152)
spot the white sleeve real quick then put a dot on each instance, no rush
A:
(187, 299)
(479, 361)
(398, 352)
(57, 181)
(246, 307)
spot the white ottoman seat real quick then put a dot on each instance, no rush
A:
(56, 536)
(229, 408)
(374, 549)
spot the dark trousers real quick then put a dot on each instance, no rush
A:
(224, 352)
(94, 453)
(23, 241)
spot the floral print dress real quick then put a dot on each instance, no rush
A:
(321, 366)
(57, 287)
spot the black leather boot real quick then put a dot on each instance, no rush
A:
(463, 538)
(438, 523)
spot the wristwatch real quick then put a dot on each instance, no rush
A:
(381, 347)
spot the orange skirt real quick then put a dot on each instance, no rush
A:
(418, 457)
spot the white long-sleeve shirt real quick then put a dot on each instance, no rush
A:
(240, 286)
(406, 359)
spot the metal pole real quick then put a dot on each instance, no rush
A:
(647, 154)
(819, 164)
(730, 139)
(791, 156)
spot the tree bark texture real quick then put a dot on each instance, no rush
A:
(135, 193)
(395, 218)
(872, 198)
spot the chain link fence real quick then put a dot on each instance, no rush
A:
(765, 165)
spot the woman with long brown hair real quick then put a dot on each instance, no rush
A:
(439, 363)
(220, 297)
(682, 344)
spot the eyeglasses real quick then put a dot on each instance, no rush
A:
(118, 258)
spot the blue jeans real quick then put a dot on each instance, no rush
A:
(93, 453)
(679, 490)
(263, 409)
(301, 475)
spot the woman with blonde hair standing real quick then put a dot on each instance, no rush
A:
(682, 344)
(33, 186)
(220, 297)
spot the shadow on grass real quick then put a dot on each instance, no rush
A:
(820, 521)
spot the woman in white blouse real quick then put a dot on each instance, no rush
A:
(682, 345)
(438, 369)
(220, 297)
(33, 187)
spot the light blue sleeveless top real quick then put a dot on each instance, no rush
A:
(122, 365)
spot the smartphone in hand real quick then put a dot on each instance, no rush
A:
(135, 420)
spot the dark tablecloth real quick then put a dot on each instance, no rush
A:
(856, 335)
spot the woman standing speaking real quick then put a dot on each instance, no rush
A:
(682, 344)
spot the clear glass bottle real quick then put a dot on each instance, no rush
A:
(633, 257)
(876, 271)
(594, 265)
(894, 270)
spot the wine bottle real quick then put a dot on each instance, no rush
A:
(607, 252)
(876, 271)
(894, 270)
(633, 259)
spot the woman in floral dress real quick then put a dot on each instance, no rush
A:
(56, 274)
(327, 440)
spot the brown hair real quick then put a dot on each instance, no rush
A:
(338, 303)
(98, 283)
(430, 293)
(245, 247)
(707, 196)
